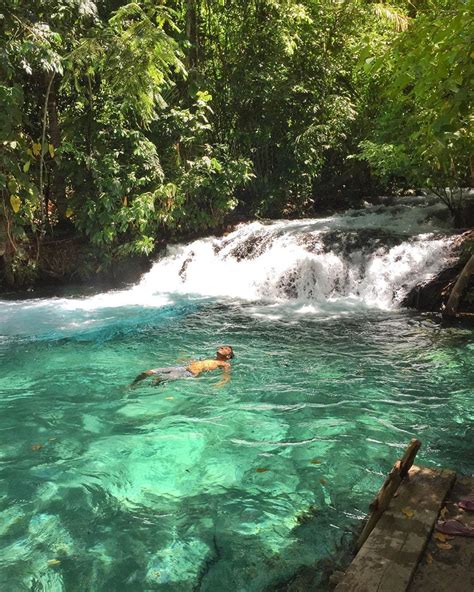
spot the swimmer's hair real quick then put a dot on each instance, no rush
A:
(231, 349)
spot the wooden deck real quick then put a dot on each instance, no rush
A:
(404, 552)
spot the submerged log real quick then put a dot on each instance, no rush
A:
(459, 288)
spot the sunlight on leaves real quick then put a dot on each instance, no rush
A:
(15, 202)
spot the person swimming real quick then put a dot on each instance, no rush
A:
(193, 369)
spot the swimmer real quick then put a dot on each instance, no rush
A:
(193, 369)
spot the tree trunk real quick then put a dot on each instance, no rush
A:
(459, 288)
(192, 34)
(57, 183)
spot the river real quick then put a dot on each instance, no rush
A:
(187, 486)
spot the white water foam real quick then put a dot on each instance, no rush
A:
(369, 257)
(372, 256)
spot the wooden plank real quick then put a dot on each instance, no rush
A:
(449, 569)
(389, 557)
(387, 491)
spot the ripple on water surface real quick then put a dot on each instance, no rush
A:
(186, 486)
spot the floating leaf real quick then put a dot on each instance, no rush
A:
(53, 562)
(26, 166)
(323, 481)
(261, 469)
(36, 447)
(69, 212)
(51, 150)
(444, 546)
(169, 398)
(315, 461)
(36, 149)
(15, 202)
(409, 513)
(429, 558)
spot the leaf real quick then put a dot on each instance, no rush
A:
(15, 202)
(12, 185)
(261, 470)
(323, 481)
(429, 558)
(125, 201)
(315, 461)
(439, 536)
(53, 562)
(36, 447)
(51, 150)
(69, 212)
(36, 149)
(444, 513)
(169, 398)
(444, 546)
(26, 166)
(408, 512)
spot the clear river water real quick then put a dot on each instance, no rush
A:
(186, 486)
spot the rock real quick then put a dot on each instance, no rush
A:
(432, 295)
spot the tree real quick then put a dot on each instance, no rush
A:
(424, 131)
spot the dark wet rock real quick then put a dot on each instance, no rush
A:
(312, 243)
(346, 242)
(431, 296)
(252, 247)
(286, 285)
(184, 267)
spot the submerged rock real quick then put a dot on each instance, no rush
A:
(179, 565)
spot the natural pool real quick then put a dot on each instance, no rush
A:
(132, 490)
(187, 487)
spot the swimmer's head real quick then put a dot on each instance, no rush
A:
(225, 352)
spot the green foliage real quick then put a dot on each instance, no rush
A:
(424, 131)
(389, 162)
(128, 123)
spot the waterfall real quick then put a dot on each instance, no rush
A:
(373, 255)
(369, 257)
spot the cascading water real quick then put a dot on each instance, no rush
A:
(186, 487)
(373, 256)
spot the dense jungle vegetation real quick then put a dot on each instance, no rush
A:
(124, 125)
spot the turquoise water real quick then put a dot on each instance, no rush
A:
(186, 486)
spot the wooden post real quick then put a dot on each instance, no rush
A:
(387, 491)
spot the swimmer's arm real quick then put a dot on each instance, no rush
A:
(225, 376)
